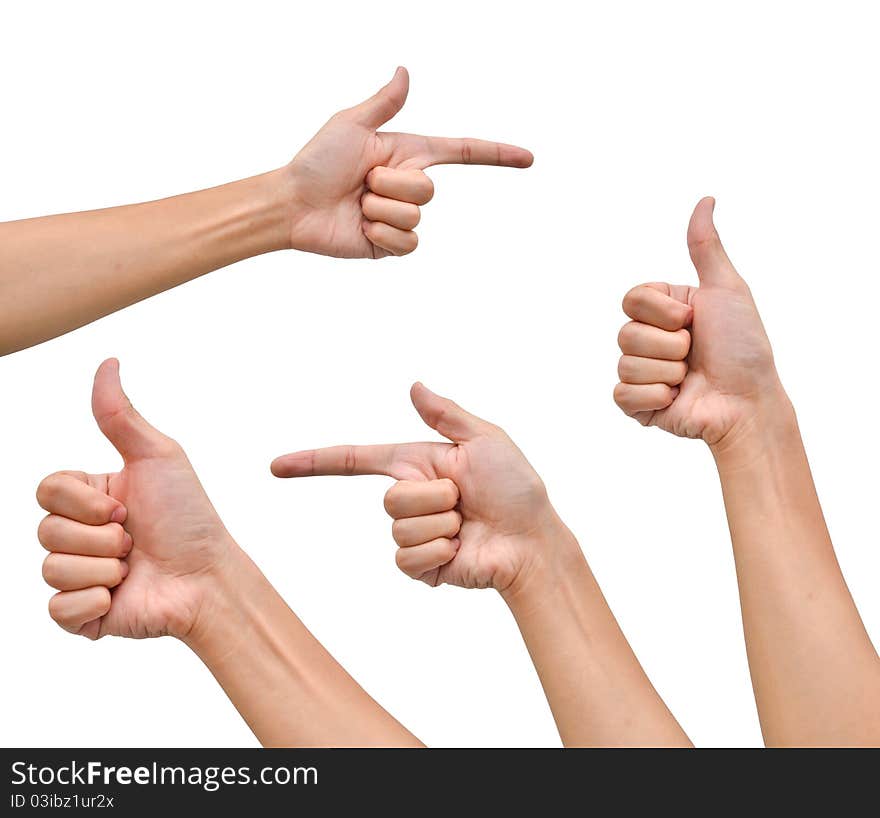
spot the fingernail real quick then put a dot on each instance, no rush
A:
(127, 542)
(119, 514)
(124, 569)
(456, 542)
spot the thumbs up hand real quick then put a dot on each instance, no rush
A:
(132, 553)
(357, 190)
(696, 360)
(471, 512)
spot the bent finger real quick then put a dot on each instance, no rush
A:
(395, 241)
(404, 185)
(68, 495)
(647, 304)
(70, 572)
(73, 609)
(632, 398)
(403, 215)
(416, 498)
(67, 536)
(410, 531)
(633, 369)
(646, 341)
(418, 560)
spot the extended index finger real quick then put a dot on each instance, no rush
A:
(343, 460)
(442, 150)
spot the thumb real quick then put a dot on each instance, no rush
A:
(707, 252)
(446, 416)
(386, 102)
(121, 424)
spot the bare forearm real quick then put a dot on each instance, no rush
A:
(815, 672)
(597, 690)
(287, 687)
(58, 273)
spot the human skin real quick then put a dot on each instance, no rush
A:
(142, 553)
(352, 192)
(472, 512)
(697, 363)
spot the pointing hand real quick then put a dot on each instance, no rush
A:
(360, 189)
(468, 512)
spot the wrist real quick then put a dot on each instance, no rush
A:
(298, 212)
(554, 555)
(223, 597)
(272, 200)
(770, 421)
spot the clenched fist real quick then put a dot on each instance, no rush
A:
(132, 552)
(696, 360)
(357, 190)
(471, 512)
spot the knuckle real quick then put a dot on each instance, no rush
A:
(44, 530)
(398, 531)
(620, 394)
(56, 608)
(392, 500)
(496, 430)
(51, 572)
(413, 217)
(625, 336)
(634, 299)
(168, 447)
(401, 560)
(535, 487)
(625, 368)
(47, 491)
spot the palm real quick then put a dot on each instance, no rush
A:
(175, 534)
(729, 355)
(502, 499)
(729, 362)
(329, 174)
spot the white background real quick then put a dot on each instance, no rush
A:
(510, 305)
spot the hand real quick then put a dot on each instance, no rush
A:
(696, 360)
(472, 512)
(359, 190)
(148, 532)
